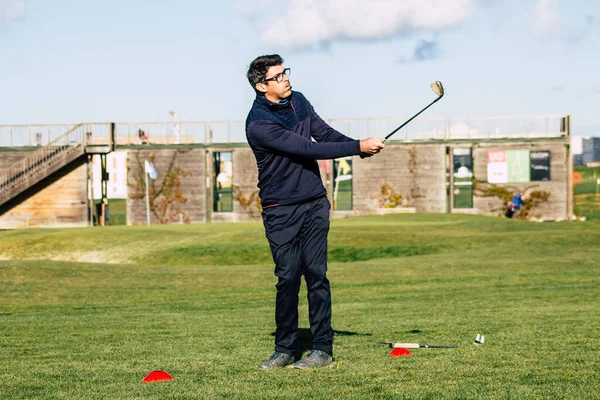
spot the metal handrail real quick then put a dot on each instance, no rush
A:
(436, 128)
(42, 162)
(232, 131)
(459, 117)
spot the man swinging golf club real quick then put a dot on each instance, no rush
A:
(295, 213)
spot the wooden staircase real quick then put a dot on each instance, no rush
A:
(27, 176)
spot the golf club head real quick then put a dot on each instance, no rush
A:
(437, 88)
(479, 339)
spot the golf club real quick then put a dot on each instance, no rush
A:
(394, 345)
(438, 89)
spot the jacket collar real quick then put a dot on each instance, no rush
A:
(285, 103)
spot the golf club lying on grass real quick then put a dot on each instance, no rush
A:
(438, 89)
(394, 345)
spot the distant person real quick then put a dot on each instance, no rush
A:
(514, 206)
(176, 127)
(143, 137)
(295, 209)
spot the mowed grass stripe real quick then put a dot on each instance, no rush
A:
(71, 330)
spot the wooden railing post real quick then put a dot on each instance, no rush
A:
(112, 136)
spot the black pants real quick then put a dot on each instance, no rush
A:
(510, 211)
(298, 239)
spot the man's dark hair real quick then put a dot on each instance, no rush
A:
(257, 71)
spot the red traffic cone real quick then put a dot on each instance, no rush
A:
(157, 376)
(400, 352)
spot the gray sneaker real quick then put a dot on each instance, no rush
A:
(277, 360)
(316, 358)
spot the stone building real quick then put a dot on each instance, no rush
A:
(210, 175)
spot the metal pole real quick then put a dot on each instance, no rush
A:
(451, 165)
(112, 136)
(147, 199)
(90, 188)
(104, 187)
(208, 198)
(570, 168)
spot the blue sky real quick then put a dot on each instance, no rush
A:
(134, 60)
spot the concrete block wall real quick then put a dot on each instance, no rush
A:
(193, 186)
(417, 172)
(8, 158)
(198, 186)
(63, 203)
(430, 177)
(557, 205)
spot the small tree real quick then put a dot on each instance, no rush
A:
(166, 197)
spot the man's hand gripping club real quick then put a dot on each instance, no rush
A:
(371, 146)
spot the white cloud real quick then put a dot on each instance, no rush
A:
(306, 23)
(546, 21)
(12, 10)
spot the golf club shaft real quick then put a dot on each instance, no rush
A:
(414, 116)
(418, 346)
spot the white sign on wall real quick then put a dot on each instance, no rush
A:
(497, 166)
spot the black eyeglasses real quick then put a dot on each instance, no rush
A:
(279, 77)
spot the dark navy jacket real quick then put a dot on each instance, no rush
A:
(280, 137)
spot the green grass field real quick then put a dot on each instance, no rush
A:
(87, 313)
(118, 212)
(589, 178)
(587, 193)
